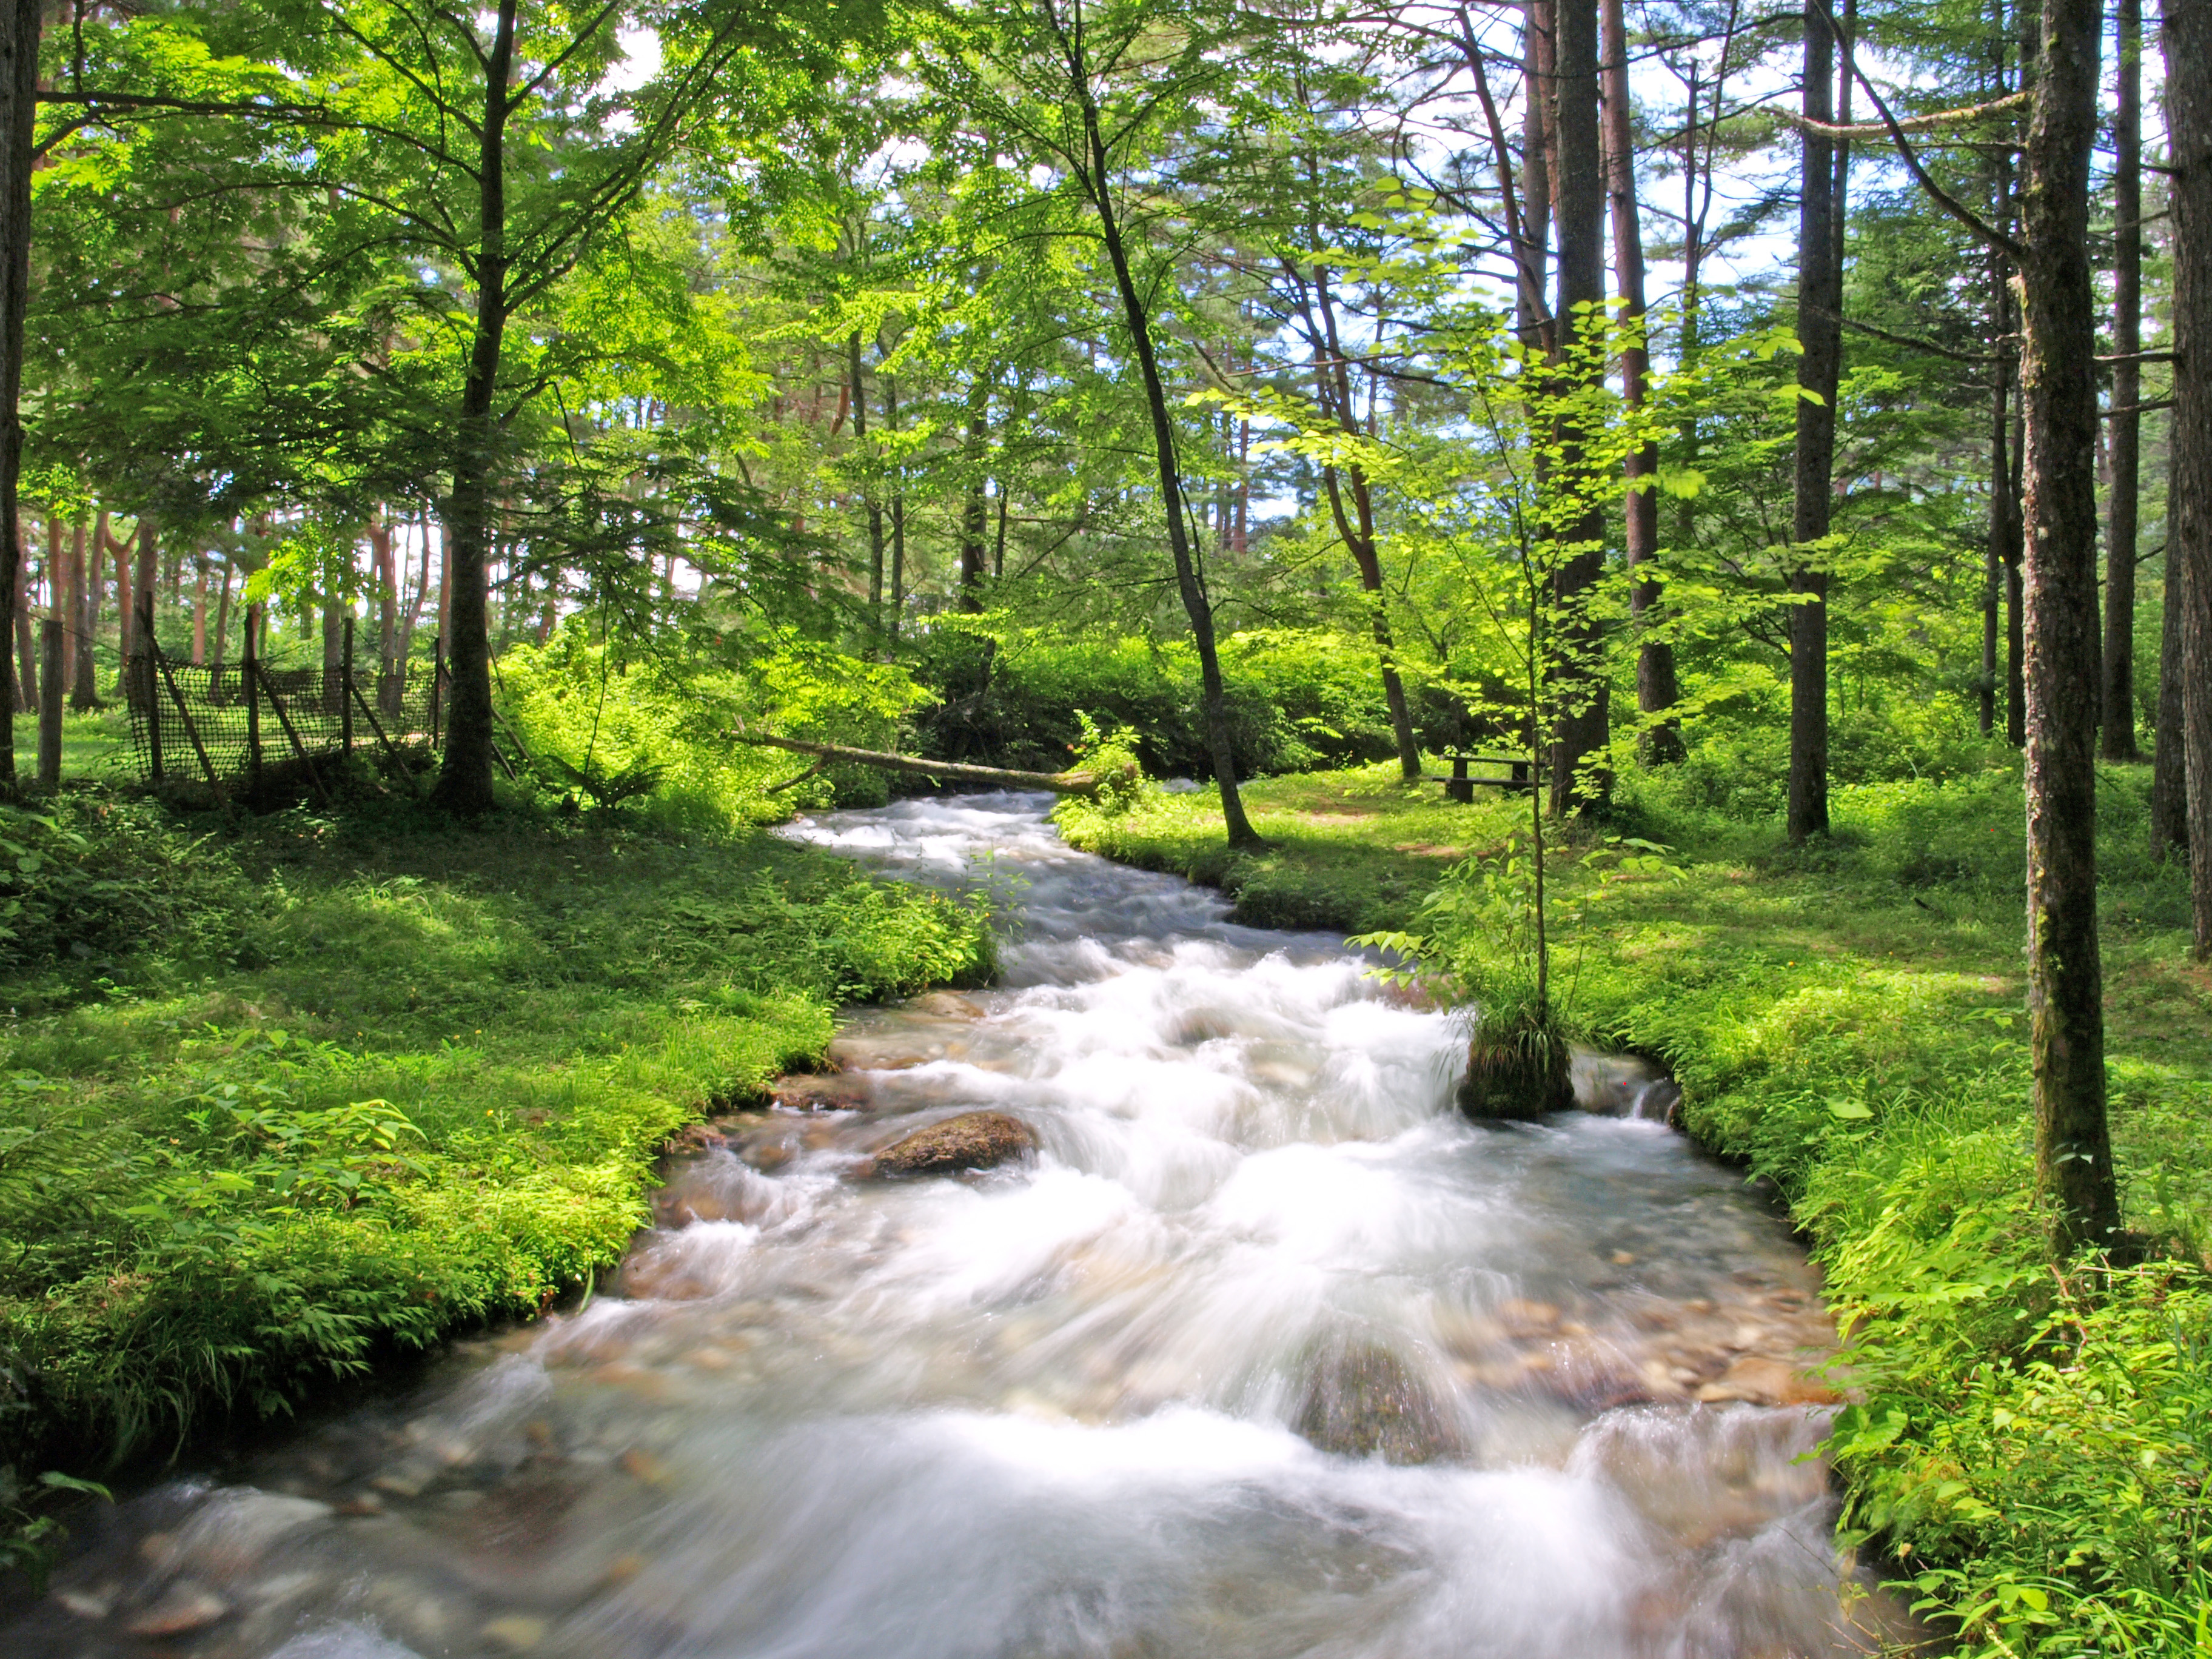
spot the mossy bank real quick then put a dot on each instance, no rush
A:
(283, 1096)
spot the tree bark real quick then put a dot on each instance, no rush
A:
(1819, 331)
(1358, 527)
(974, 513)
(1196, 604)
(2188, 40)
(72, 606)
(84, 688)
(1580, 782)
(2169, 783)
(26, 661)
(19, 92)
(1657, 688)
(126, 614)
(867, 489)
(464, 776)
(2073, 1146)
(2118, 728)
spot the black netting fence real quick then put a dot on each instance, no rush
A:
(186, 721)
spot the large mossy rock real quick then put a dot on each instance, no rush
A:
(1517, 1070)
(1362, 1401)
(974, 1140)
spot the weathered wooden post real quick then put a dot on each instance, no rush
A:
(345, 690)
(142, 682)
(51, 676)
(251, 671)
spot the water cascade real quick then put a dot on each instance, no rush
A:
(1247, 1344)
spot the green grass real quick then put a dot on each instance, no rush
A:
(2027, 1449)
(279, 1097)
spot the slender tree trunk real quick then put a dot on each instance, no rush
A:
(2169, 783)
(26, 650)
(126, 614)
(2002, 552)
(1657, 690)
(974, 512)
(18, 91)
(221, 616)
(1580, 780)
(464, 776)
(1191, 585)
(84, 687)
(387, 592)
(147, 585)
(2188, 32)
(867, 489)
(73, 608)
(1819, 304)
(2118, 726)
(2074, 1154)
(898, 520)
(1358, 529)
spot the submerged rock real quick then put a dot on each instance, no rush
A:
(1363, 1400)
(974, 1140)
(1517, 1070)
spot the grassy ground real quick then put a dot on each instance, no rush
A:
(279, 1096)
(2027, 1448)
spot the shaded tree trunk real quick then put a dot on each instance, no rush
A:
(84, 688)
(26, 657)
(1580, 782)
(1820, 305)
(867, 491)
(2073, 1146)
(2188, 40)
(199, 612)
(2169, 783)
(76, 640)
(2117, 726)
(1657, 689)
(975, 510)
(464, 776)
(18, 91)
(221, 616)
(1189, 582)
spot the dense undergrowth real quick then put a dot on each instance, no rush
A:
(2026, 1451)
(281, 1095)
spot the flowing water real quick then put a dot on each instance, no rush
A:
(1261, 1350)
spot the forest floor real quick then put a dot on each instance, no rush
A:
(281, 1097)
(2024, 1450)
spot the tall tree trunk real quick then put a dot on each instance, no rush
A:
(1820, 305)
(199, 612)
(2188, 31)
(19, 92)
(974, 511)
(898, 520)
(464, 777)
(1657, 690)
(84, 688)
(2073, 1145)
(1537, 103)
(221, 616)
(1358, 527)
(1582, 728)
(26, 650)
(386, 574)
(867, 489)
(145, 586)
(2118, 727)
(2002, 552)
(2169, 781)
(72, 610)
(1196, 604)
(126, 614)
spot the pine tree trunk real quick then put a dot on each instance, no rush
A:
(2118, 727)
(1819, 304)
(1657, 689)
(464, 776)
(2074, 1154)
(2169, 783)
(2188, 32)
(1582, 729)
(73, 609)
(84, 687)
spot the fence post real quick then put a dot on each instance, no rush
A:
(345, 690)
(145, 688)
(252, 672)
(50, 705)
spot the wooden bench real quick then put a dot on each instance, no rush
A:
(1460, 786)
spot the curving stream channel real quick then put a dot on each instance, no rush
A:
(1263, 1349)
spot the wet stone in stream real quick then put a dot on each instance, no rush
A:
(1247, 1347)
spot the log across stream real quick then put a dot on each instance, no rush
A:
(1253, 1347)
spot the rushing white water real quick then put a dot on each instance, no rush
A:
(1265, 1351)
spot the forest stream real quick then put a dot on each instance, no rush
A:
(1254, 1346)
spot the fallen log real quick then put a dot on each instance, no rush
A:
(1061, 783)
